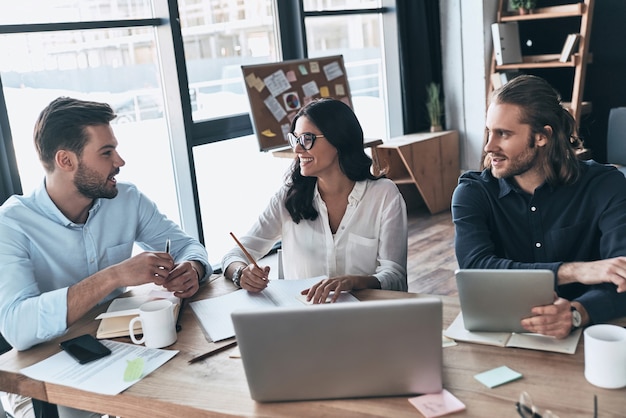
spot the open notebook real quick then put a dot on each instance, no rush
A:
(114, 322)
(457, 332)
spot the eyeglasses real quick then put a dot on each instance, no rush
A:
(306, 140)
(527, 409)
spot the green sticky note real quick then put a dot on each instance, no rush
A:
(134, 369)
(498, 376)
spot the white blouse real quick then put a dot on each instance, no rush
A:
(371, 238)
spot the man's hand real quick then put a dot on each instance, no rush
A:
(612, 270)
(554, 320)
(145, 267)
(183, 280)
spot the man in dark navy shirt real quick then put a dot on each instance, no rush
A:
(537, 206)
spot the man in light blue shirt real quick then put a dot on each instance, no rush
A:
(68, 246)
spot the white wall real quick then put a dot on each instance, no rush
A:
(466, 54)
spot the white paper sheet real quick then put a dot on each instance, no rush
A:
(214, 313)
(104, 376)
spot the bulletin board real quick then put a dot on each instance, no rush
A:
(277, 91)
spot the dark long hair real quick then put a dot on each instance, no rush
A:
(341, 128)
(61, 125)
(540, 105)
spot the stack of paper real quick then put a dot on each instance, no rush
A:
(214, 314)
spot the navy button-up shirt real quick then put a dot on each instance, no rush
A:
(499, 226)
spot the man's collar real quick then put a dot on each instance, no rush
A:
(51, 209)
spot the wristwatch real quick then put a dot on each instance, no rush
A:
(237, 276)
(577, 319)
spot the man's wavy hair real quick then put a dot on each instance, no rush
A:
(341, 128)
(540, 105)
(61, 125)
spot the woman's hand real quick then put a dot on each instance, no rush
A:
(254, 279)
(319, 292)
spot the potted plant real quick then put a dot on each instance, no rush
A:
(523, 6)
(434, 106)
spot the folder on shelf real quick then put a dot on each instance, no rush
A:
(568, 48)
(499, 79)
(506, 44)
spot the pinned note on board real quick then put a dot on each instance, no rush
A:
(277, 91)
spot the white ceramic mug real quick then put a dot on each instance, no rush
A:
(605, 356)
(157, 323)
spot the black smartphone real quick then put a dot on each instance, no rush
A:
(85, 348)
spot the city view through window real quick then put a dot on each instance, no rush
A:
(121, 66)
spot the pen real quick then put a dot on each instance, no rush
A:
(167, 246)
(248, 256)
(210, 353)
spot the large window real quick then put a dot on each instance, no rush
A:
(358, 37)
(219, 37)
(175, 82)
(118, 66)
(252, 177)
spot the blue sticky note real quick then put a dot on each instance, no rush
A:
(498, 376)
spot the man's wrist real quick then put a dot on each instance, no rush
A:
(197, 272)
(566, 273)
(584, 316)
(198, 267)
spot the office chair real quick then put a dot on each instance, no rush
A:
(616, 138)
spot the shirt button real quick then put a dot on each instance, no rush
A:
(538, 244)
(91, 260)
(532, 208)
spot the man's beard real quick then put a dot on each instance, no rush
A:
(89, 184)
(522, 163)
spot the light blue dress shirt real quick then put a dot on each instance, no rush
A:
(42, 254)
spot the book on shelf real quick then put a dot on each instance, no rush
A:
(499, 79)
(568, 47)
(214, 313)
(506, 44)
(457, 332)
(114, 322)
(496, 80)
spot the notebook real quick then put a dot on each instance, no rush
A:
(497, 300)
(367, 349)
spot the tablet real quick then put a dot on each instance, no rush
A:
(497, 300)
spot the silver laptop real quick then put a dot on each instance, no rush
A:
(497, 300)
(342, 350)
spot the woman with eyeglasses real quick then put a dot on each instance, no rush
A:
(333, 216)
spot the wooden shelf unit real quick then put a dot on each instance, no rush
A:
(422, 164)
(578, 61)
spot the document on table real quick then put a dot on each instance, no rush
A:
(567, 345)
(110, 375)
(214, 313)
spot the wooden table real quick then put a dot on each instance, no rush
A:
(217, 386)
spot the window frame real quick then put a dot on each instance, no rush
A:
(290, 22)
